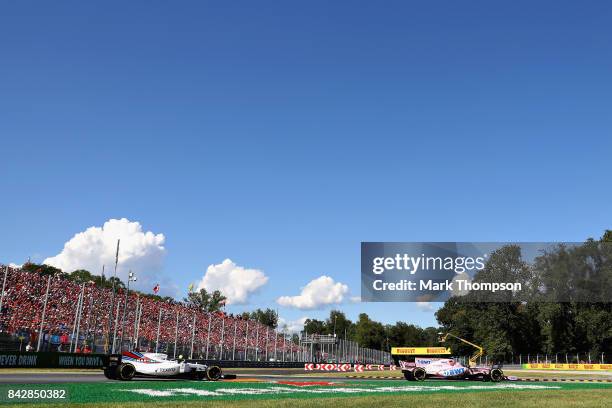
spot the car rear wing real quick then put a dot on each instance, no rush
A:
(114, 360)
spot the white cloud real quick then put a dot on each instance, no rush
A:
(234, 282)
(15, 266)
(142, 252)
(318, 292)
(292, 326)
(424, 306)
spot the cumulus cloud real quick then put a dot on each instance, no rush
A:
(424, 306)
(140, 251)
(235, 282)
(292, 326)
(318, 292)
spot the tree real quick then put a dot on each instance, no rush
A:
(338, 323)
(43, 269)
(369, 333)
(314, 326)
(205, 301)
(266, 317)
(81, 276)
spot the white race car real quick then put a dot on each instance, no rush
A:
(129, 364)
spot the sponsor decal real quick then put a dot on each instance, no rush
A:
(419, 350)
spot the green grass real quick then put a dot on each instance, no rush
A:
(162, 393)
(541, 399)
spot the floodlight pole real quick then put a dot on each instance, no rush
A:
(42, 320)
(208, 334)
(222, 336)
(80, 314)
(234, 346)
(3, 286)
(136, 316)
(267, 334)
(76, 318)
(158, 327)
(131, 278)
(112, 304)
(192, 336)
(176, 332)
(246, 342)
(256, 340)
(115, 327)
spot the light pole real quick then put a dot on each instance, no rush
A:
(131, 278)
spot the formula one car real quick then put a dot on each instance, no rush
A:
(447, 368)
(132, 364)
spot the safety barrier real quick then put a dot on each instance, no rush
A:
(580, 367)
(345, 367)
(51, 360)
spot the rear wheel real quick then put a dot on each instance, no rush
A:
(110, 373)
(419, 374)
(213, 373)
(126, 372)
(496, 375)
(408, 375)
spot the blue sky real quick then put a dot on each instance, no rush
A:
(281, 135)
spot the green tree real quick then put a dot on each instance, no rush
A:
(205, 301)
(314, 326)
(266, 317)
(338, 323)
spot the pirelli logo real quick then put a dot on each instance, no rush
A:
(419, 351)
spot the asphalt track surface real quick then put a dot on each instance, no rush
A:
(93, 377)
(98, 377)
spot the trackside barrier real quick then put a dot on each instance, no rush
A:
(51, 360)
(346, 367)
(249, 364)
(544, 366)
(378, 367)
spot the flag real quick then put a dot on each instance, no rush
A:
(190, 287)
(156, 288)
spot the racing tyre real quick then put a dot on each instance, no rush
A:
(110, 373)
(419, 374)
(496, 375)
(126, 372)
(213, 373)
(408, 375)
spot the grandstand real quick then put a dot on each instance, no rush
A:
(150, 324)
(216, 335)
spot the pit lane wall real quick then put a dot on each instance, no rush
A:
(579, 367)
(51, 360)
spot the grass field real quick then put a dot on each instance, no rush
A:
(360, 393)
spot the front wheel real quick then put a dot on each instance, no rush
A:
(419, 374)
(408, 375)
(213, 373)
(496, 375)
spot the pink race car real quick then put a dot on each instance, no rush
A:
(447, 368)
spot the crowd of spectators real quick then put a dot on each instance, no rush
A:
(214, 333)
